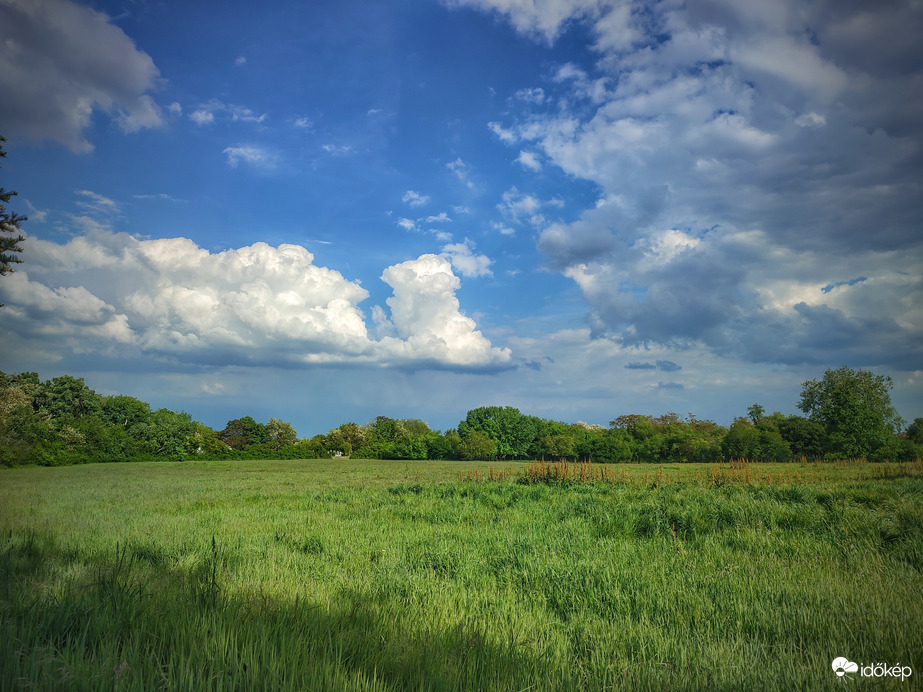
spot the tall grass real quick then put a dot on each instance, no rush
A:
(401, 575)
(565, 472)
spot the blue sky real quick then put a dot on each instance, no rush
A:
(330, 211)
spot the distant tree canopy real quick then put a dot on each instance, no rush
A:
(63, 421)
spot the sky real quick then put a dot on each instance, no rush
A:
(330, 211)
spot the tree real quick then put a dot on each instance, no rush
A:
(125, 411)
(914, 431)
(67, 396)
(476, 445)
(243, 432)
(280, 433)
(341, 441)
(609, 446)
(854, 407)
(443, 446)
(10, 232)
(171, 434)
(806, 438)
(511, 431)
(394, 438)
(756, 413)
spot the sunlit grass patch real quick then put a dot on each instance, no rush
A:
(395, 575)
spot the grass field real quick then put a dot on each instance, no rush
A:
(360, 575)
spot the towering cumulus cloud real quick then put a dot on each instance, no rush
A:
(426, 316)
(259, 304)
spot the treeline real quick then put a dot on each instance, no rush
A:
(63, 421)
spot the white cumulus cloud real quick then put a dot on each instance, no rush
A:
(414, 199)
(109, 293)
(426, 316)
(530, 160)
(202, 117)
(465, 261)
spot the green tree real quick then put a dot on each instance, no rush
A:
(171, 434)
(742, 440)
(555, 440)
(205, 441)
(395, 438)
(67, 395)
(20, 425)
(125, 412)
(511, 431)
(280, 434)
(243, 432)
(608, 446)
(348, 437)
(476, 445)
(806, 438)
(914, 431)
(760, 442)
(756, 413)
(443, 446)
(11, 235)
(314, 448)
(854, 406)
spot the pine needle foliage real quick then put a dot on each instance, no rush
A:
(11, 236)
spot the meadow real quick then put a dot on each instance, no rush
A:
(376, 575)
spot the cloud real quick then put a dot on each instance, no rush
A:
(530, 160)
(159, 196)
(536, 95)
(461, 170)
(202, 117)
(36, 215)
(664, 365)
(418, 224)
(59, 48)
(522, 208)
(414, 199)
(837, 284)
(742, 153)
(506, 136)
(96, 203)
(463, 259)
(668, 366)
(539, 18)
(427, 319)
(176, 303)
(337, 149)
(207, 114)
(502, 229)
(252, 155)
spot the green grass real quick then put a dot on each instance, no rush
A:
(359, 575)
